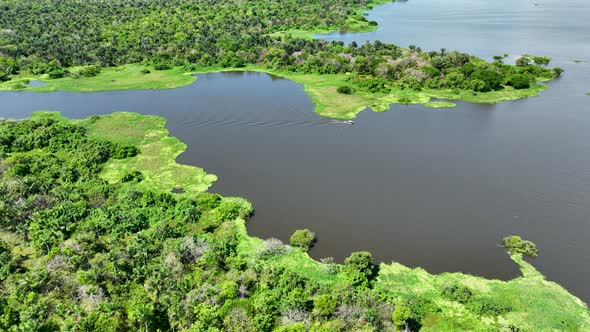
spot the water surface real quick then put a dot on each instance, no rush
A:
(555, 28)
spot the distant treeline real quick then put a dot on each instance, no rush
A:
(46, 37)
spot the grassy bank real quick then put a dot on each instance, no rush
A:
(529, 302)
(320, 88)
(126, 77)
(157, 160)
(329, 103)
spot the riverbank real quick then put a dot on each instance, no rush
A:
(126, 77)
(355, 22)
(322, 89)
(529, 302)
(157, 161)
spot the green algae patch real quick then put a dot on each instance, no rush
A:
(126, 77)
(158, 152)
(157, 160)
(355, 22)
(528, 302)
(439, 104)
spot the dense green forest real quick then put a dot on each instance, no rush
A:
(48, 37)
(93, 239)
(85, 246)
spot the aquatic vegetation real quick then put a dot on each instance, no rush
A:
(515, 244)
(157, 249)
(439, 104)
(322, 88)
(123, 255)
(273, 41)
(127, 77)
(95, 235)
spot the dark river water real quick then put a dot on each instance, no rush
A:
(430, 188)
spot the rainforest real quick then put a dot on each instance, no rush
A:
(102, 228)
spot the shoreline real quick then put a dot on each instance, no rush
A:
(535, 302)
(321, 88)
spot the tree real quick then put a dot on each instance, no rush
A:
(476, 85)
(4, 77)
(557, 71)
(515, 244)
(343, 89)
(208, 201)
(276, 57)
(519, 81)
(404, 100)
(140, 308)
(90, 71)
(400, 317)
(265, 310)
(302, 238)
(492, 78)
(360, 267)
(231, 208)
(324, 305)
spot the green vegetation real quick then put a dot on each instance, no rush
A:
(302, 238)
(346, 90)
(159, 46)
(400, 317)
(89, 71)
(440, 104)
(539, 60)
(101, 229)
(322, 88)
(515, 244)
(127, 77)
(82, 251)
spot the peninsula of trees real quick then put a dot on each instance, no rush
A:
(101, 229)
(92, 239)
(50, 40)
